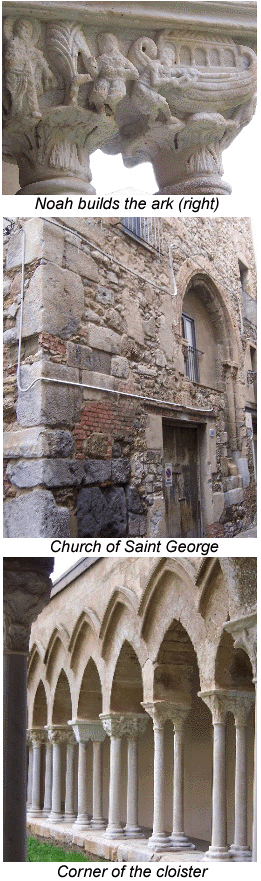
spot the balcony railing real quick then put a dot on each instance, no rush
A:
(191, 358)
(146, 230)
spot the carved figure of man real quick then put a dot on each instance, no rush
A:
(26, 72)
(155, 73)
(114, 70)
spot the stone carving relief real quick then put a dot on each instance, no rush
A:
(118, 724)
(25, 595)
(176, 100)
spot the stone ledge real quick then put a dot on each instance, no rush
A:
(94, 843)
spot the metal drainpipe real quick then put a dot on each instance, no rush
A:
(75, 384)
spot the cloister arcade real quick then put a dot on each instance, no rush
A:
(141, 707)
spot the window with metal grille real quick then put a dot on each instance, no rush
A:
(191, 356)
(148, 231)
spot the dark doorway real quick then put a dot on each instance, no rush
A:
(182, 492)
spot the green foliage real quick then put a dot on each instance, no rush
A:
(46, 852)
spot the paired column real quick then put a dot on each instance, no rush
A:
(48, 778)
(178, 838)
(114, 726)
(240, 849)
(57, 735)
(38, 736)
(69, 813)
(159, 712)
(135, 724)
(81, 733)
(218, 850)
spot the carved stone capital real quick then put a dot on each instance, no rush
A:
(244, 633)
(37, 736)
(176, 96)
(162, 711)
(85, 729)
(58, 733)
(222, 701)
(27, 587)
(117, 724)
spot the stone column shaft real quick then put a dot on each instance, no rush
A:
(14, 764)
(36, 781)
(97, 819)
(114, 828)
(26, 590)
(82, 820)
(29, 775)
(48, 780)
(159, 839)
(178, 838)
(69, 814)
(56, 812)
(218, 703)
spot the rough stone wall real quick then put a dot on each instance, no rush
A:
(101, 311)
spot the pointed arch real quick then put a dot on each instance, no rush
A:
(121, 600)
(127, 686)
(62, 702)
(86, 625)
(90, 695)
(39, 717)
(57, 646)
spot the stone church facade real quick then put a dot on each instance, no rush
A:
(141, 693)
(130, 377)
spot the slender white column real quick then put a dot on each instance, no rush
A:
(97, 819)
(216, 701)
(136, 725)
(38, 737)
(69, 813)
(82, 735)
(114, 726)
(178, 838)
(57, 736)
(240, 849)
(159, 711)
(48, 780)
(29, 771)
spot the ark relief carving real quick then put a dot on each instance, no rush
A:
(177, 100)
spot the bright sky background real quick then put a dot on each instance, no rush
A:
(63, 562)
(240, 162)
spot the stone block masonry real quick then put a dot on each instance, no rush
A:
(113, 386)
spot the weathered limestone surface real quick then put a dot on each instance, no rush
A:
(172, 86)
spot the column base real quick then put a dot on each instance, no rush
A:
(98, 823)
(55, 818)
(69, 818)
(240, 853)
(201, 184)
(82, 822)
(114, 832)
(159, 841)
(179, 841)
(57, 186)
(218, 853)
(45, 812)
(133, 832)
(36, 813)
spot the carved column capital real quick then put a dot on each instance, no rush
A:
(58, 733)
(171, 94)
(85, 729)
(117, 724)
(222, 701)
(37, 736)
(162, 711)
(244, 633)
(27, 587)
